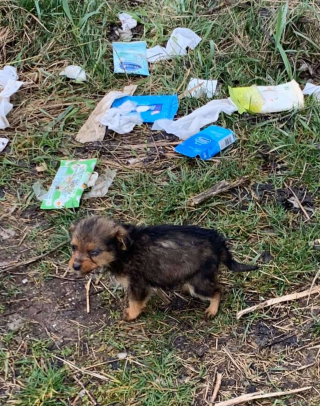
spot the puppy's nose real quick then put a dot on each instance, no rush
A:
(76, 266)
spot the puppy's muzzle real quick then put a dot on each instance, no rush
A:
(76, 266)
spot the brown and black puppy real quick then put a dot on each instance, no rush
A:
(142, 258)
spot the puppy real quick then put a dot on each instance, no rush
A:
(142, 258)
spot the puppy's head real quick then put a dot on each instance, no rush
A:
(96, 241)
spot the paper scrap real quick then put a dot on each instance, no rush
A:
(179, 41)
(127, 23)
(102, 185)
(74, 72)
(192, 123)
(199, 88)
(310, 88)
(9, 85)
(69, 183)
(3, 143)
(119, 120)
(92, 130)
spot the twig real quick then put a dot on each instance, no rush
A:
(218, 188)
(9, 268)
(299, 203)
(312, 284)
(188, 91)
(259, 395)
(88, 294)
(94, 374)
(85, 389)
(276, 300)
(216, 388)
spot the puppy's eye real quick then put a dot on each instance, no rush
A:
(73, 247)
(94, 253)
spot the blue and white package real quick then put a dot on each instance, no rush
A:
(130, 58)
(207, 143)
(152, 108)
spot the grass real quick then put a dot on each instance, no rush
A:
(172, 353)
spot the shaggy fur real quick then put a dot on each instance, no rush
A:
(142, 258)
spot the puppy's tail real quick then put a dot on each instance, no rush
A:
(233, 265)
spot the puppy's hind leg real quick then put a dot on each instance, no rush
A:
(139, 295)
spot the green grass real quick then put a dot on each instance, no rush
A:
(259, 42)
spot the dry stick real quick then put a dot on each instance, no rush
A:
(216, 388)
(188, 91)
(276, 300)
(84, 388)
(299, 203)
(94, 374)
(218, 188)
(259, 395)
(88, 294)
(312, 284)
(30, 261)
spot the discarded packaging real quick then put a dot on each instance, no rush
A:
(206, 143)
(310, 88)
(102, 184)
(9, 85)
(267, 99)
(202, 88)
(152, 108)
(92, 130)
(127, 23)
(39, 191)
(93, 179)
(3, 143)
(74, 72)
(180, 40)
(122, 119)
(69, 183)
(192, 123)
(130, 58)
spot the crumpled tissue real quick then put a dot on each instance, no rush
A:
(74, 72)
(3, 143)
(179, 41)
(127, 23)
(192, 123)
(119, 120)
(200, 88)
(310, 88)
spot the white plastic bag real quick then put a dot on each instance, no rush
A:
(101, 185)
(310, 88)
(74, 72)
(192, 123)
(179, 41)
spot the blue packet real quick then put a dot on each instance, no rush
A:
(207, 143)
(152, 108)
(130, 58)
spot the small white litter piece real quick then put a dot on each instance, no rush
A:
(310, 88)
(9, 85)
(122, 119)
(127, 23)
(122, 355)
(39, 191)
(3, 143)
(101, 185)
(202, 88)
(179, 41)
(74, 72)
(192, 123)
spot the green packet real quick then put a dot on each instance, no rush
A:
(68, 184)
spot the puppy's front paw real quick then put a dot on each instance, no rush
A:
(128, 315)
(210, 313)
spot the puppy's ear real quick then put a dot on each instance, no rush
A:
(123, 238)
(73, 227)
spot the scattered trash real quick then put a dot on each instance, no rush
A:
(310, 88)
(25, 281)
(92, 130)
(179, 41)
(74, 72)
(192, 123)
(69, 183)
(152, 108)
(119, 120)
(15, 322)
(39, 190)
(130, 58)
(6, 234)
(93, 179)
(207, 143)
(127, 22)
(122, 355)
(217, 189)
(202, 88)
(10, 85)
(102, 184)
(267, 99)
(3, 143)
